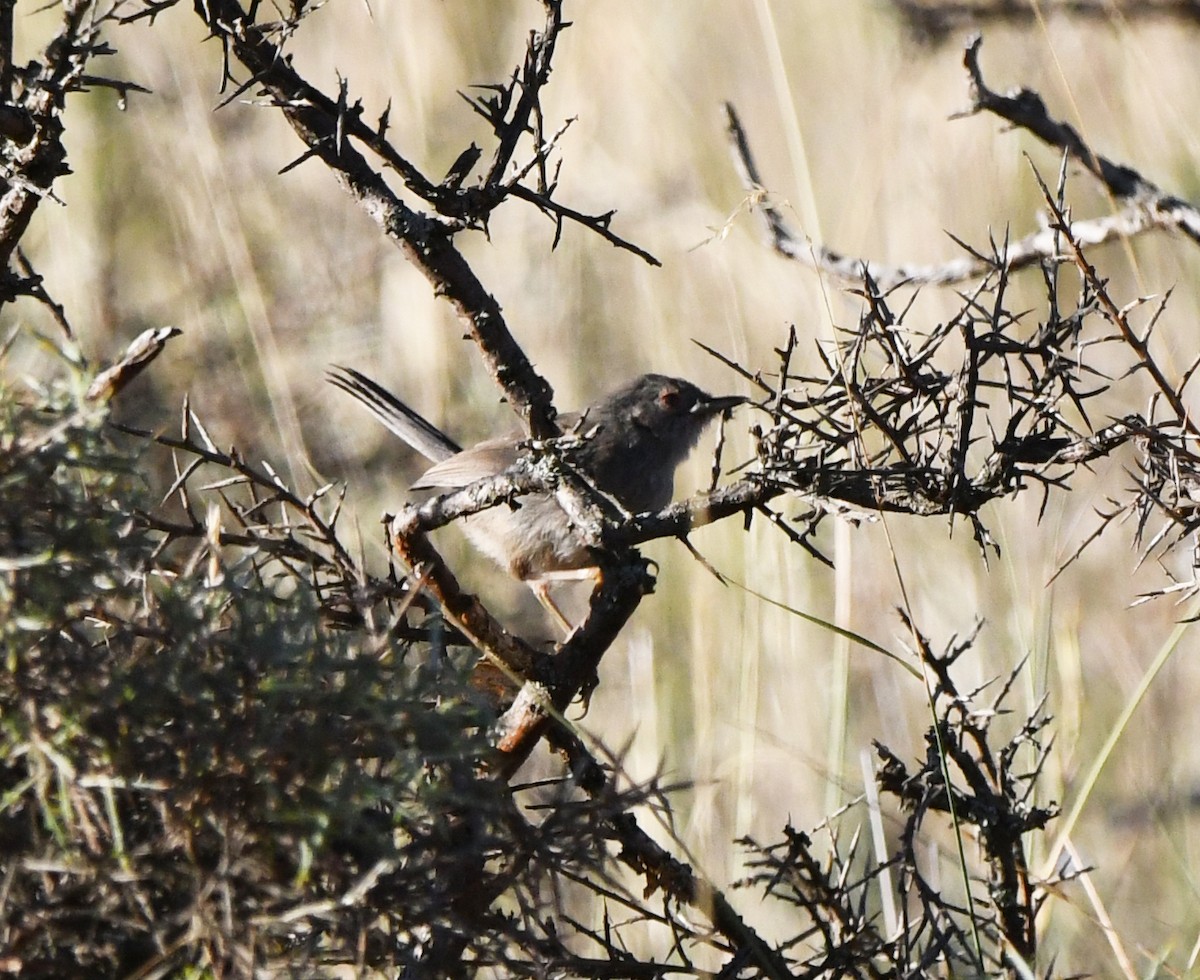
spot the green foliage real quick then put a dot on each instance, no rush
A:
(188, 754)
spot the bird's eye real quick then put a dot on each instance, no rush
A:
(670, 399)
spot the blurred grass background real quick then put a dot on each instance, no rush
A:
(175, 215)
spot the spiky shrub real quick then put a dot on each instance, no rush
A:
(195, 769)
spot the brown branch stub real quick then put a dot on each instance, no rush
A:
(137, 357)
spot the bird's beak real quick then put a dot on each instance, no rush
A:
(714, 406)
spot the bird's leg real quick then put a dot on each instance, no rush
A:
(541, 588)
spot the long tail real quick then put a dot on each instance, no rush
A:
(426, 438)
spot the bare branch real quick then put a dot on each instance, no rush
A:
(1145, 207)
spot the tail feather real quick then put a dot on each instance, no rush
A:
(423, 436)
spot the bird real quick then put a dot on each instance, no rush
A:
(634, 439)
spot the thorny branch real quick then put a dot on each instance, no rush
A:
(882, 425)
(981, 785)
(1025, 109)
(302, 538)
(392, 823)
(902, 437)
(994, 796)
(331, 127)
(1142, 207)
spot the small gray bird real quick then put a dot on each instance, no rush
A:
(636, 437)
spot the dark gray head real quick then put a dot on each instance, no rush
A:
(642, 432)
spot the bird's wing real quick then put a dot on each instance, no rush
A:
(486, 459)
(489, 458)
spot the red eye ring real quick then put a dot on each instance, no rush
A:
(670, 399)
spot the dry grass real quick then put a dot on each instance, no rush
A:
(176, 217)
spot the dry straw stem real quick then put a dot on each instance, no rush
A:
(1143, 206)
